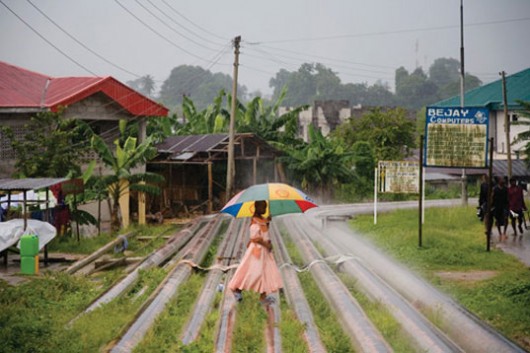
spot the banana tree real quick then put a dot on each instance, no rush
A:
(264, 121)
(121, 161)
(321, 164)
(211, 120)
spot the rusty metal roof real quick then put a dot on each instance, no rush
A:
(28, 183)
(204, 148)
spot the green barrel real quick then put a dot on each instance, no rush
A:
(29, 265)
(29, 245)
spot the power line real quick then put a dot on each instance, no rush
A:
(168, 26)
(335, 65)
(193, 23)
(184, 27)
(305, 55)
(47, 41)
(159, 34)
(392, 32)
(81, 43)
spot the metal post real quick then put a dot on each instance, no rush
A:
(420, 226)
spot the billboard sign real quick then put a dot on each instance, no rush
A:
(399, 177)
(456, 137)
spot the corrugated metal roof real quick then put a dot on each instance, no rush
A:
(28, 183)
(500, 168)
(191, 143)
(21, 88)
(490, 95)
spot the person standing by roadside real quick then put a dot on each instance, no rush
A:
(516, 205)
(500, 206)
(483, 198)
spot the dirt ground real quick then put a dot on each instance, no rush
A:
(468, 276)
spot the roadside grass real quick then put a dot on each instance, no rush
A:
(34, 316)
(164, 335)
(453, 240)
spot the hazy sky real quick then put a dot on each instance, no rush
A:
(362, 41)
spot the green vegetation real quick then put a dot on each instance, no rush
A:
(381, 318)
(454, 241)
(34, 316)
(331, 333)
(164, 335)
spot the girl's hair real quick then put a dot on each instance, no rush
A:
(260, 207)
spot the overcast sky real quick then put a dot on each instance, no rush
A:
(362, 41)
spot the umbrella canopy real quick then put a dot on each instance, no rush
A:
(281, 199)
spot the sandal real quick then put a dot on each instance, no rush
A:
(238, 296)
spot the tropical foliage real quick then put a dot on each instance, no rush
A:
(320, 165)
(390, 133)
(121, 162)
(51, 146)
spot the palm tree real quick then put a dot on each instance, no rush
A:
(148, 85)
(121, 162)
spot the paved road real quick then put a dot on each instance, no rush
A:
(519, 247)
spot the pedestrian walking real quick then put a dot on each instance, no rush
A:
(516, 205)
(500, 207)
(258, 270)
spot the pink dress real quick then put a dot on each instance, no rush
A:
(258, 270)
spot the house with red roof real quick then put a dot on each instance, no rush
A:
(100, 101)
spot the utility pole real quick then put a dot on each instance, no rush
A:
(462, 88)
(230, 170)
(506, 124)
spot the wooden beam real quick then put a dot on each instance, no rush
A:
(210, 188)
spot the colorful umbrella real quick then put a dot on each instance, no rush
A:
(281, 199)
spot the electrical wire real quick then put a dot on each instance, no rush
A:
(185, 28)
(160, 35)
(410, 30)
(81, 43)
(168, 26)
(47, 41)
(193, 23)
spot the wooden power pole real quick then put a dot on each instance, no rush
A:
(506, 124)
(230, 170)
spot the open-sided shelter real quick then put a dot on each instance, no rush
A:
(194, 168)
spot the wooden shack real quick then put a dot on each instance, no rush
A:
(195, 170)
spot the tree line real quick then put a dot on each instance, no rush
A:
(314, 81)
